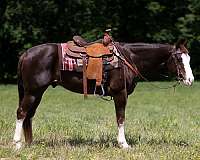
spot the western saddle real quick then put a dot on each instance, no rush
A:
(92, 52)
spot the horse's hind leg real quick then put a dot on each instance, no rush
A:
(25, 112)
(27, 124)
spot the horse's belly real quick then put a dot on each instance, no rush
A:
(73, 81)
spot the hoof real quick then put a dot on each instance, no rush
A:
(124, 146)
(17, 146)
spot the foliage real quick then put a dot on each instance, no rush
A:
(24, 24)
(160, 124)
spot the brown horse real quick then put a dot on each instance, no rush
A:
(39, 67)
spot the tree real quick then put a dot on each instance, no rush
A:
(28, 23)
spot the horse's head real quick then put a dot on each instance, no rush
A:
(179, 63)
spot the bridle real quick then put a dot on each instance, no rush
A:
(175, 54)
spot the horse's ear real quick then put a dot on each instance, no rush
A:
(181, 42)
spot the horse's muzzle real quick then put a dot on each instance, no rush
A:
(189, 81)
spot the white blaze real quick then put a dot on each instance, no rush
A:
(188, 71)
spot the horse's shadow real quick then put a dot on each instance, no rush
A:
(107, 141)
(77, 141)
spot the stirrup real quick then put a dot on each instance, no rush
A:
(102, 89)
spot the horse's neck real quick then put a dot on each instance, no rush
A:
(147, 57)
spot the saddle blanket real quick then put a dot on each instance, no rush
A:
(68, 63)
(76, 64)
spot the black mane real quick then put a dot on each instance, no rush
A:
(145, 45)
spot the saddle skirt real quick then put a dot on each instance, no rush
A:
(95, 65)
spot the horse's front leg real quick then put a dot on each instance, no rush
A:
(120, 100)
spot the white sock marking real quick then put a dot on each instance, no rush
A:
(18, 133)
(121, 137)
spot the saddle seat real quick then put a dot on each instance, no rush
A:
(73, 50)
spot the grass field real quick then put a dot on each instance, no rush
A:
(160, 124)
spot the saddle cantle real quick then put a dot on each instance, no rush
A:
(78, 40)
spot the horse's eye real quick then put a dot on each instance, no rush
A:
(178, 57)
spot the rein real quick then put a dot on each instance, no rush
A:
(135, 70)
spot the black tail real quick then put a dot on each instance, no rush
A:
(20, 81)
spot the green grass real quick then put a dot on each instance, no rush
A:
(160, 124)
